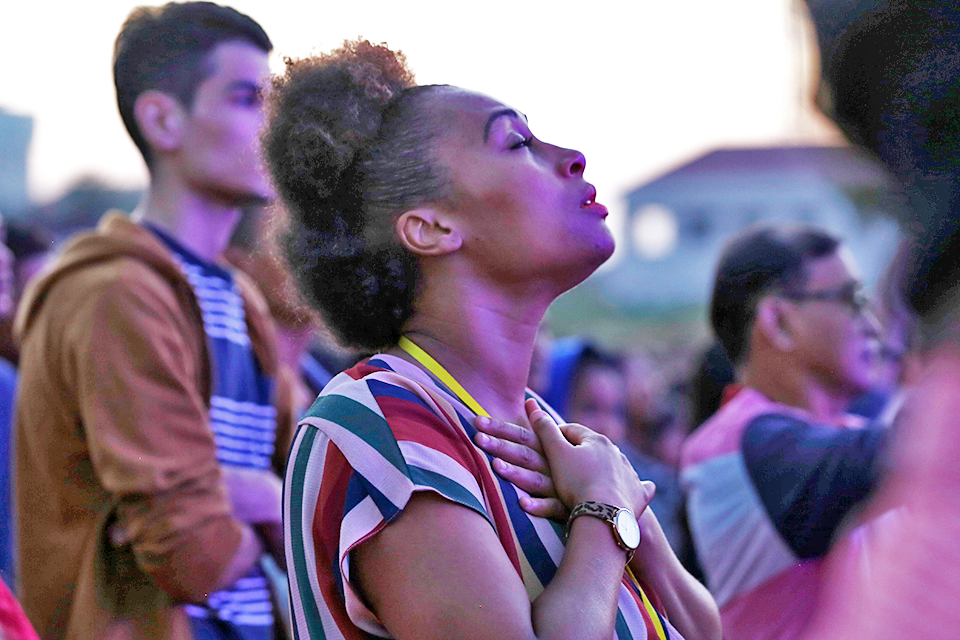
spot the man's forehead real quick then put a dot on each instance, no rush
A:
(237, 60)
(835, 268)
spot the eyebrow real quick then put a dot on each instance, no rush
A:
(494, 116)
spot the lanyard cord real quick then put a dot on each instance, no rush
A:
(437, 369)
(444, 376)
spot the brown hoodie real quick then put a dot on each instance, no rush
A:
(113, 436)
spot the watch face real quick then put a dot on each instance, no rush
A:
(627, 529)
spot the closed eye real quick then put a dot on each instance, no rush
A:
(525, 142)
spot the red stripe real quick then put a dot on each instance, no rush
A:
(326, 536)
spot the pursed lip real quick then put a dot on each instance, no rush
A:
(589, 201)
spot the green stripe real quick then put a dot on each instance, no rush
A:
(311, 612)
(449, 488)
(622, 628)
(361, 421)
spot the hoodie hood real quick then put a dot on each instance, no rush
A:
(115, 237)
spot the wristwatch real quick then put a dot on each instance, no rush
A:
(626, 531)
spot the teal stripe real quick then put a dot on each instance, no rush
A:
(311, 612)
(361, 421)
(621, 628)
(447, 487)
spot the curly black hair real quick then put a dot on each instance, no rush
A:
(348, 145)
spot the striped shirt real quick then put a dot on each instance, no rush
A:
(377, 434)
(242, 417)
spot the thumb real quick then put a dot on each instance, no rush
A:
(549, 434)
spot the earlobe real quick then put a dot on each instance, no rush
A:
(427, 232)
(160, 119)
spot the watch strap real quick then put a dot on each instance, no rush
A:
(605, 512)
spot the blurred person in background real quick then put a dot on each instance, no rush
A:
(588, 386)
(252, 250)
(32, 249)
(647, 406)
(891, 80)
(712, 373)
(149, 440)
(774, 472)
(8, 390)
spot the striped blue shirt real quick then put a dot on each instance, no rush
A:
(242, 417)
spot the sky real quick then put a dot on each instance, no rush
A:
(638, 86)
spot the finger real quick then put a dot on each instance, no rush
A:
(533, 482)
(647, 491)
(550, 508)
(513, 453)
(576, 433)
(545, 427)
(508, 431)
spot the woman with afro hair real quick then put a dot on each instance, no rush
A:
(428, 225)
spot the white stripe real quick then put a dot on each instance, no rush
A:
(358, 522)
(237, 406)
(215, 316)
(425, 457)
(242, 445)
(311, 490)
(241, 419)
(545, 531)
(241, 459)
(367, 461)
(230, 309)
(251, 582)
(266, 434)
(237, 338)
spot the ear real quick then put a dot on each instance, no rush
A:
(428, 232)
(774, 322)
(161, 119)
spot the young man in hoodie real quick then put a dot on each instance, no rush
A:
(148, 440)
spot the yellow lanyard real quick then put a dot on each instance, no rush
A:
(444, 376)
(437, 369)
(649, 607)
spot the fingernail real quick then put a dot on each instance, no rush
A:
(483, 421)
(482, 438)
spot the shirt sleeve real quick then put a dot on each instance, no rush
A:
(147, 429)
(375, 442)
(809, 476)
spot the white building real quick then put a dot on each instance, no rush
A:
(678, 223)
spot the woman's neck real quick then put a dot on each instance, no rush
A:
(485, 341)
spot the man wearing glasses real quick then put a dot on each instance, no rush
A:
(771, 476)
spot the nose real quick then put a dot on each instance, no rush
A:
(572, 163)
(871, 325)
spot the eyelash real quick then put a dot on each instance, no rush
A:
(523, 143)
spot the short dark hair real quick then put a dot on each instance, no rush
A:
(760, 259)
(166, 48)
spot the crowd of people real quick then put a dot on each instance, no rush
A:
(188, 457)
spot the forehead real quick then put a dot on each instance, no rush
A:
(237, 60)
(466, 115)
(831, 270)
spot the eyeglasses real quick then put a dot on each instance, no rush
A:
(850, 294)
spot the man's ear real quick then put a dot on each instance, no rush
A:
(428, 232)
(160, 118)
(773, 321)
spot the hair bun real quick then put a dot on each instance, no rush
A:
(332, 109)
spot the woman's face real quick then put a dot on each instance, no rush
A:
(523, 207)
